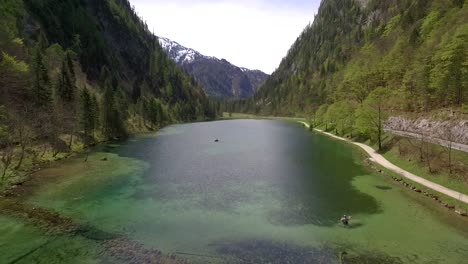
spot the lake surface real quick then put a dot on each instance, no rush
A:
(267, 192)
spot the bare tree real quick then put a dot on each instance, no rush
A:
(6, 156)
(447, 134)
(431, 155)
(6, 144)
(6, 150)
(421, 145)
(22, 133)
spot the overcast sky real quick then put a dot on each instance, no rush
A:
(255, 34)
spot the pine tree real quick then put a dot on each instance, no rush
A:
(71, 67)
(156, 112)
(112, 120)
(88, 114)
(42, 95)
(3, 126)
(76, 46)
(96, 110)
(104, 76)
(65, 83)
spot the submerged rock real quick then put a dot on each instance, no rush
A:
(133, 252)
(460, 212)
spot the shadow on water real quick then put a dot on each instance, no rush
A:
(321, 192)
(352, 225)
(266, 251)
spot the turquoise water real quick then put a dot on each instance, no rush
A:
(267, 192)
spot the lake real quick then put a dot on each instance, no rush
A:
(267, 192)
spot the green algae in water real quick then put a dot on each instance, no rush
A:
(265, 186)
(23, 243)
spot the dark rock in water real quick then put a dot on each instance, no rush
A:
(216, 140)
(94, 233)
(129, 251)
(460, 212)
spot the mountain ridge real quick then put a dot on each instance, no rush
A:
(218, 77)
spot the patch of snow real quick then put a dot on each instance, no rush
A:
(179, 53)
(183, 55)
(165, 43)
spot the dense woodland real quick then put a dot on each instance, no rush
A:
(74, 72)
(415, 50)
(362, 61)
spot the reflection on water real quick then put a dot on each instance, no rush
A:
(267, 192)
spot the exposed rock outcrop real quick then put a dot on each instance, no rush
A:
(455, 130)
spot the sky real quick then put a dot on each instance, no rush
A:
(254, 34)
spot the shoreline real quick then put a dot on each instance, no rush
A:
(374, 157)
(113, 243)
(379, 159)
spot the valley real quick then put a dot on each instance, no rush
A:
(120, 145)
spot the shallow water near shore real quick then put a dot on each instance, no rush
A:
(267, 192)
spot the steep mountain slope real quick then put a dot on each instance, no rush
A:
(86, 70)
(107, 39)
(363, 62)
(218, 77)
(417, 48)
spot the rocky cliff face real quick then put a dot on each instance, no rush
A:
(454, 130)
(219, 77)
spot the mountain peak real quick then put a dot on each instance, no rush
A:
(219, 77)
(180, 54)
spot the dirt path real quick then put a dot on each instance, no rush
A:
(376, 157)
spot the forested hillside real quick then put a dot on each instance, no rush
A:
(361, 62)
(78, 71)
(416, 49)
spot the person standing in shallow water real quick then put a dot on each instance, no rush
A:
(345, 220)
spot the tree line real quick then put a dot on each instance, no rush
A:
(357, 64)
(417, 48)
(52, 98)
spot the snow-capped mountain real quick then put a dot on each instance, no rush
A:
(218, 77)
(180, 54)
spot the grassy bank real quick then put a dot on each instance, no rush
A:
(410, 161)
(419, 192)
(41, 154)
(414, 156)
(442, 198)
(389, 175)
